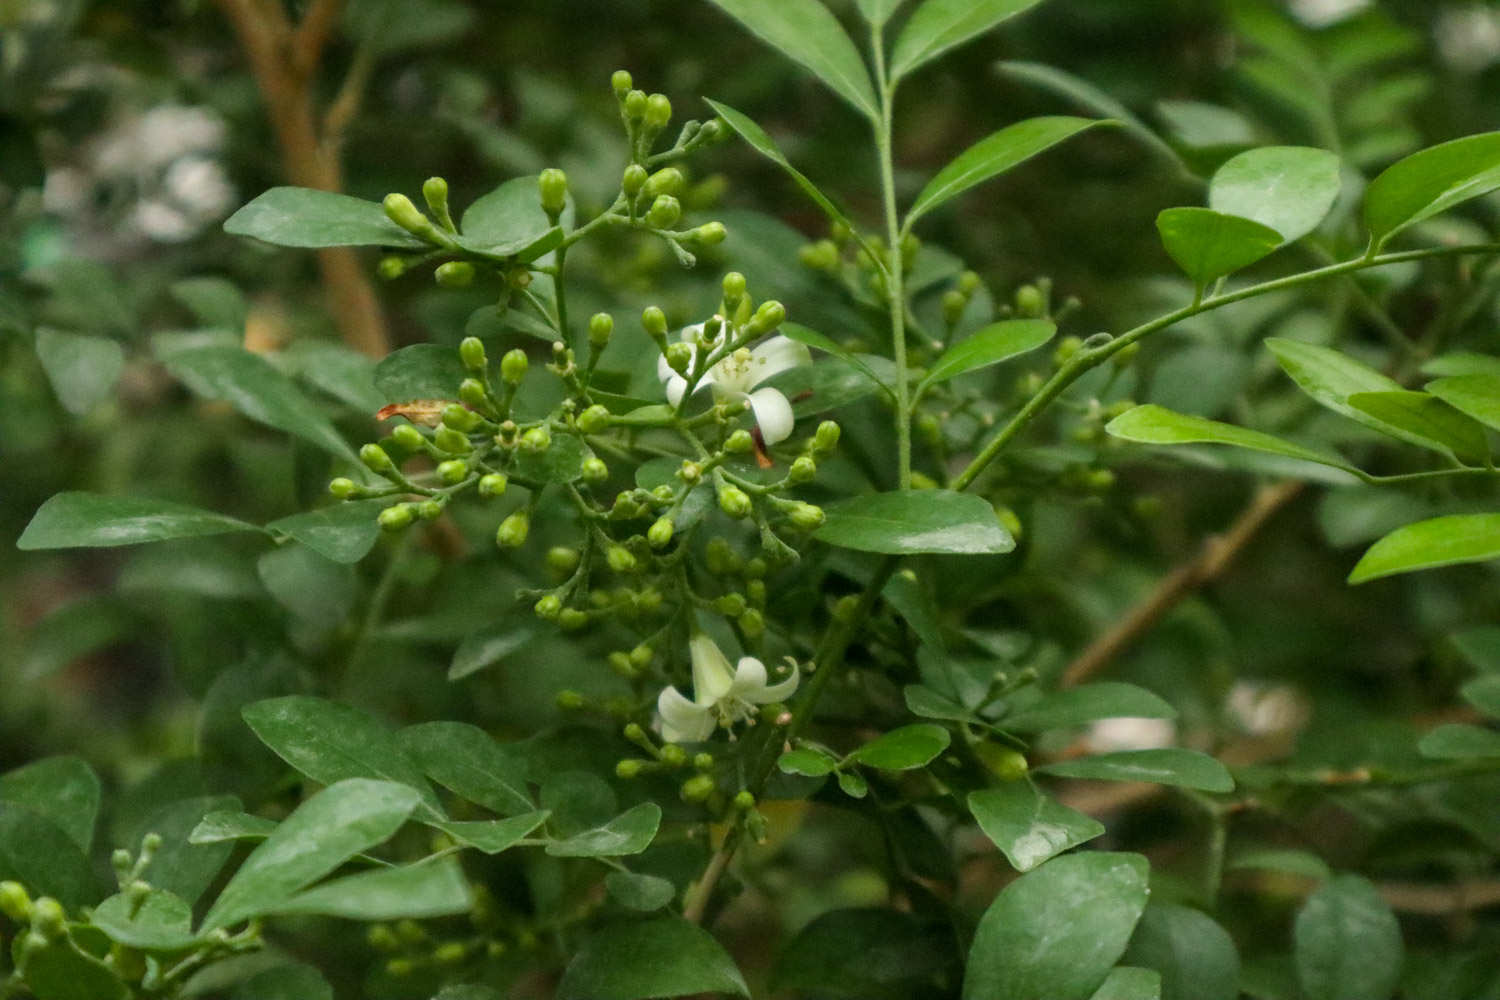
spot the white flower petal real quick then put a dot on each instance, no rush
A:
(773, 413)
(681, 720)
(664, 371)
(777, 354)
(777, 692)
(712, 678)
(749, 678)
(676, 386)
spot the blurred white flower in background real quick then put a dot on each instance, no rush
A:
(1319, 13)
(1264, 709)
(1468, 38)
(1113, 735)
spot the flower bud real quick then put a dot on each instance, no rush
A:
(660, 533)
(709, 234)
(845, 609)
(827, 437)
(744, 800)
(593, 420)
(655, 323)
(571, 619)
(492, 484)
(633, 180)
(343, 488)
(679, 357)
(15, 903)
(953, 304)
(621, 82)
(382, 938)
(808, 517)
(430, 510)
(667, 180)
(641, 656)
(460, 417)
(451, 441)
(594, 470)
(839, 232)
(803, 470)
(390, 268)
(400, 210)
(408, 438)
(435, 193)
(450, 953)
(620, 560)
(562, 559)
(513, 366)
(536, 440)
(601, 326)
(664, 212)
(547, 607)
(734, 290)
(453, 471)
(658, 111)
(454, 274)
(629, 768)
(697, 788)
(376, 460)
(739, 443)
(471, 392)
(730, 605)
(734, 502)
(635, 105)
(513, 530)
(752, 623)
(1030, 301)
(673, 755)
(968, 283)
(768, 317)
(1066, 348)
(552, 188)
(690, 472)
(396, 517)
(48, 917)
(820, 256)
(722, 560)
(471, 353)
(1001, 761)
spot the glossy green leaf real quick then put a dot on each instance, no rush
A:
(509, 221)
(638, 960)
(807, 33)
(420, 891)
(303, 217)
(344, 532)
(322, 833)
(993, 344)
(631, 832)
(329, 741)
(38, 853)
(1165, 766)
(1441, 541)
(929, 704)
(939, 25)
(807, 761)
(161, 922)
(1291, 189)
(60, 970)
(494, 835)
(1056, 932)
(1091, 98)
(1476, 395)
(65, 790)
(222, 825)
(1209, 245)
(877, 12)
(179, 866)
(214, 302)
(489, 647)
(1126, 983)
(1029, 826)
(904, 749)
(1424, 416)
(83, 370)
(763, 144)
(1195, 956)
(337, 371)
(421, 371)
(1078, 706)
(1459, 741)
(1347, 943)
(910, 521)
(1462, 363)
(994, 155)
(254, 387)
(867, 953)
(1152, 424)
(1429, 182)
(467, 761)
(643, 893)
(1484, 694)
(89, 520)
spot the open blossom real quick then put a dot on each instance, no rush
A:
(737, 375)
(721, 696)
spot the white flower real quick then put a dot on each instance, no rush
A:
(720, 697)
(736, 376)
(1113, 735)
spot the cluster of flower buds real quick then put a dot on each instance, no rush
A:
(859, 263)
(411, 949)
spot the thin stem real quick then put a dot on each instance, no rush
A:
(894, 278)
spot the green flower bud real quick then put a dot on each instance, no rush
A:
(664, 212)
(452, 441)
(435, 193)
(690, 472)
(492, 484)
(518, 277)
(391, 268)
(667, 180)
(954, 303)
(662, 494)
(408, 437)
(453, 471)
(629, 768)
(48, 918)
(703, 761)
(450, 953)
(845, 609)
(396, 517)
(593, 420)
(430, 510)
(537, 439)
(471, 392)
(548, 607)
(826, 439)
(803, 469)
(633, 180)
(400, 210)
(562, 559)
(620, 663)
(513, 366)
(697, 788)
(601, 326)
(808, 517)
(655, 323)
(1001, 761)
(768, 317)
(552, 188)
(635, 105)
(968, 283)
(641, 656)
(454, 274)
(679, 357)
(471, 353)
(513, 531)
(620, 560)
(382, 938)
(343, 489)
(1099, 480)
(400, 968)
(15, 903)
(722, 560)
(460, 417)
(1066, 348)
(820, 256)
(659, 535)
(752, 623)
(594, 470)
(410, 931)
(734, 502)
(755, 569)
(839, 232)
(730, 605)
(571, 619)
(1030, 301)
(709, 234)
(673, 755)
(621, 82)
(376, 460)
(744, 800)
(658, 111)
(734, 290)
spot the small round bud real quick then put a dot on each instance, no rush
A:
(679, 357)
(622, 82)
(730, 605)
(968, 283)
(820, 256)
(673, 755)
(660, 533)
(601, 326)
(396, 517)
(382, 938)
(593, 420)
(635, 105)
(1099, 480)
(1030, 301)
(722, 560)
(391, 268)
(768, 317)
(453, 471)
(667, 180)
(620, 560)
(408, 437)
(641, 656)
(571, 619)
(633, 180)
(690, 472)
(655, 323)
(471, 392)
(400, 968)
(664, 212)
(454, 274)
(1066, 348)
(451, 441)
(629, 768)
(752, 623)
(808, 517)
(709, 234)
(460, 417)
(375, 459)
(562, 559)
(400, 210)
(492, 484)
(1001, 761)
(754, 569)
(734, 502)
(435, 193)
(658, 111)
(430, 510)
(697, 788)
(594, 470)
(48, 917)
(827, 436)
(15, 903)
(744, 800)
(619, 662)
(513, 531)
(471, 353)
(845, 609)
(803, 470)
(537, 440)
(450, 953)
(343, 488)
(552, 188)
(703, 761)
(954, 303)
(734, 289)
(548, 607)
(513, 366)
(662, 494)
(121, 861)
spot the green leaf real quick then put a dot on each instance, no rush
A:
(1152, 424)
(313, 588)
(833, 383)
(877, 12)
(1126, 983)
(214, 302)
(1476, 395)
(807, 761)
(303, 217)
(37, 853)
(1087, 703)
(929, 704)
(284, 982)
(1057, 931)
(939, 25)
(994, 155)
(865, 954)
(1484, 694)
(221, 825)
(487, 648)
(1426, 417)
(904, 749)
(510, 222)
(1208, 245)
(1196, 957)
(421, 371)
(385, 26)
(64, 790)
(335, 370)
(1085, 95)
(467, 761)
(322, 833)
(995, 343)
(161, 922)
(812, 338)
(1462, 363)
(637, 960)
(344, 532)
(1347, 943)
(807, 33)
(179, 866)
(253, 386)
(561, 463)
(329, 741)
(1432, 181)
(72, 631)
(1165, 766)
(82, 369)
(1292, 861)
(434, 888)
(763, 144)
(643, 893)
(853, 785)
(89, 520)
(910, 521)
(494, 835)
(631, 832)
(1291, 189)
(1029, 826)
(1459, 741)
(61, 970)
(1441, 541)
